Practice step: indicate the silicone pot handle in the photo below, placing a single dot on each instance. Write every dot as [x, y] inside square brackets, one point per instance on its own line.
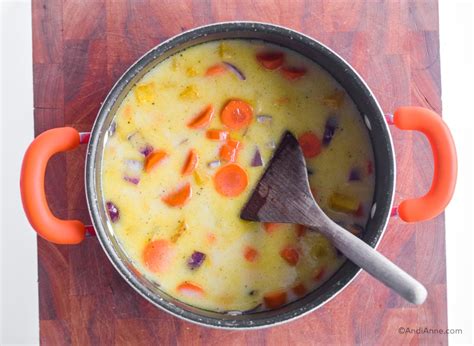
[33, 195]
[445, 163]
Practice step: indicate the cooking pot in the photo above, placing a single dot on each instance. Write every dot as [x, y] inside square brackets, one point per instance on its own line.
[407, 118]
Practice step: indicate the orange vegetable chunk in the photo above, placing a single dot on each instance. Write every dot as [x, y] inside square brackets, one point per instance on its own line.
[229, 150]
[271, 60]
[178, 197]
[190, 163]
[250, 254]
[310, 144]
[158, 255]
[293, 73]
[290, 255]
[275, 299]
[203, 118]
[237, 114]
[217, 135]
[154, 159]
[231, 180]
[190, 289]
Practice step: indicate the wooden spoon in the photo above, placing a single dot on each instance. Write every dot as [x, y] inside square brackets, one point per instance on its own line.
[283, 195]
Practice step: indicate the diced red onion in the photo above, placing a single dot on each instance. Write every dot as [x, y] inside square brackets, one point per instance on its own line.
[257, 160]
[113, 212]
[329, 129]
[235, 70]
[263, 118]
[214, 164]
[196, 259]
[132, 180]
[354, 174]
[133, 166]
[146, 150]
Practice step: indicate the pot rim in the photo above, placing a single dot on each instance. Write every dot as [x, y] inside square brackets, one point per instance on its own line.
[98, 131]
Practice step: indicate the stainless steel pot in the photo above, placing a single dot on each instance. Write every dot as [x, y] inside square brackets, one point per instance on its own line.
[56, 140]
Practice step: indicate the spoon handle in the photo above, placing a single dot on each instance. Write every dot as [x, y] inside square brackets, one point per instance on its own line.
[375, 263]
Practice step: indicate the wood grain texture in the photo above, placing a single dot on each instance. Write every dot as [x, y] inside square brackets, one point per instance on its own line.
[80, 47]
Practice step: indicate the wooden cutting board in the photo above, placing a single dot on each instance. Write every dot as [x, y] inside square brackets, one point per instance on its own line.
[81, 47]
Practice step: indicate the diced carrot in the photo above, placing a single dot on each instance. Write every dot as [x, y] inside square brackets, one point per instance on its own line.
[178, 197]
[300, 290]
[271, 227]
[236, 114]
[190, 163]
[293, 73]
[360, 211]
[250, 254]
[211, 238]
[231, 180]
[310, 144]
[275, 299]
[290, 255]
[158, 255]
[190, 289]
[271, 60]
[319, 273]
[217, 135]
[153, 159]
[300, 230]
[229, 150]
[215, 70]
[370, 167]
[203, 118]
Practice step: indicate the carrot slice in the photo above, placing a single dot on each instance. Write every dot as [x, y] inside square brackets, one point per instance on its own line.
[250, 254]
[300, 230]
[215, 70]
[290, 255]
[275, 299]
[231, 180]
[158, 255]
[293, 73]
[190, 289]
[153, 159]
[300, 290]
[271, 227]
[272, 60]
[319, 273]
[190, 163]
[178, 197]
[217, 135]
[236, 114]
[229, 150]
[202, 119]
[310, 144]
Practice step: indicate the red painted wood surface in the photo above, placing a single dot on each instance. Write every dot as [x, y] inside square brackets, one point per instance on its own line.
[81, 47]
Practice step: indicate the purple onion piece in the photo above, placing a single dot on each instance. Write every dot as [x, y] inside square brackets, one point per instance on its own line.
[234, 70]
[257, 159]
[354, 174]
[196, 259]
[146, 150]
[263, 118]
[214, 164]
[329, 130]
[113, 212]
[132, 180]
[112, 128]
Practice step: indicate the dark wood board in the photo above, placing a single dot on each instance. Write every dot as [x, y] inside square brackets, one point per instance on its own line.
[81, 47]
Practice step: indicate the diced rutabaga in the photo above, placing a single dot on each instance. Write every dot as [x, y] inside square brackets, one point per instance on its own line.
[343, 203]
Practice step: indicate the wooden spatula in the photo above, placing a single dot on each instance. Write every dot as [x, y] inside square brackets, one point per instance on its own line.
[283, 195]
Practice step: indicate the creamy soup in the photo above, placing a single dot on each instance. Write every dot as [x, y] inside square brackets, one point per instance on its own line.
[189, 143]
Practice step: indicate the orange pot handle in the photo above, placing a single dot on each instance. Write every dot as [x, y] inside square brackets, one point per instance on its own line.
[445, 163]
[33, 195]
